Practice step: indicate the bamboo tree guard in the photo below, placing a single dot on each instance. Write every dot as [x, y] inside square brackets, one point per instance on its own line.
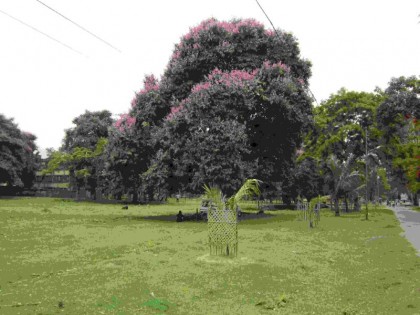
[223, 231]
[314, 213]
[310, 211]
[302, 207]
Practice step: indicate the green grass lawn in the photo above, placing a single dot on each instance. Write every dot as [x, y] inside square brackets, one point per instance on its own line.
[61, 257]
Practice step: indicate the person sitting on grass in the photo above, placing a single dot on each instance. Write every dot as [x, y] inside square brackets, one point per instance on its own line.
[179, 216]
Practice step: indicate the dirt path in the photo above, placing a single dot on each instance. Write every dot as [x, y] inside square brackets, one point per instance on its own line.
[410, 222]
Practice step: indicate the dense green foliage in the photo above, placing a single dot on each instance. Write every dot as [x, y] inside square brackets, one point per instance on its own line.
[408, 155]
[250, 189]
[88, 128]
[19, 158]
[398, 119]
[82, 151]
[341, 124]
[374, 136]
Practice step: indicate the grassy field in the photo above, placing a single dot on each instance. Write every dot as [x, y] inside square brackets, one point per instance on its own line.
[62, 257]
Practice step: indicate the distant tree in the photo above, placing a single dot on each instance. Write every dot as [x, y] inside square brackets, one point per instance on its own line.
[345, 126]
[83, 164]
[132, 150]
[123, 163]
[398, 120]
[341, 123]
[407, 158]
[81, 152]
[87, 130]
[18, 155]
[32, 159]
[341, 178]
[307, 179]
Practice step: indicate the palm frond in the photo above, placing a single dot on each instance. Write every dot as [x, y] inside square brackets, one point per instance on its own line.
[214, 194]
[250, 188]
[360, 188]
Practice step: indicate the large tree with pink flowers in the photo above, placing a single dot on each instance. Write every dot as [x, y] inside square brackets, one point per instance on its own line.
[231, 104]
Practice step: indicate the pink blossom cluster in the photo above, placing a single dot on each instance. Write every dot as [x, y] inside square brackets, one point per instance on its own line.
[236, 77]
[125, 121]
[301, 81]
[217, 76]
[175, 110]
[28, 149]
[177, 52]
[270, 32]
[201, 86]
[134, 101]
[230, 27]
[225, 44]
[176, 55]
[280, 65]
[150, 84]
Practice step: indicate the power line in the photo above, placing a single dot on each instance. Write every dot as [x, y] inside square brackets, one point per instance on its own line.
[41, 32]
[280, 39]
[79, 26]
[268, 18]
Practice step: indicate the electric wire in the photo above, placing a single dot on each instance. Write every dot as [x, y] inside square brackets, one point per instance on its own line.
[79, 26]
[268, 18]
[45, 34]
[309, 90]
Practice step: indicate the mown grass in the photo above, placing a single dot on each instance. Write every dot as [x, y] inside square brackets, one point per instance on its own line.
[415, 208]
[84, 258]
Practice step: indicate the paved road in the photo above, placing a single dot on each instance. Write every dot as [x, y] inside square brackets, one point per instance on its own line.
[410, 222]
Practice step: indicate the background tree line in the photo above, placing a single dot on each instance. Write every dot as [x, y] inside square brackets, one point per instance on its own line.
[232, 104]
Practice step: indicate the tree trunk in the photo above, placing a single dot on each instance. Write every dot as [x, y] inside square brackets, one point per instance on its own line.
[337, 207]
[346, 203]
[135, 197]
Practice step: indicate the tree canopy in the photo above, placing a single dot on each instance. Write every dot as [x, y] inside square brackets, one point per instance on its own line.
[18, 155]
[231, 104]
[398, 120]
[82, 150]
[341, 123]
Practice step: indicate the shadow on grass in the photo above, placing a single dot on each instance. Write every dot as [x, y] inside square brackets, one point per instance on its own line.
[167, 218]
[172, 218]
[9, 197]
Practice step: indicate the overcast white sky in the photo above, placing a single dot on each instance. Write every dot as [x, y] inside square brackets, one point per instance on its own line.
[43, 85]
